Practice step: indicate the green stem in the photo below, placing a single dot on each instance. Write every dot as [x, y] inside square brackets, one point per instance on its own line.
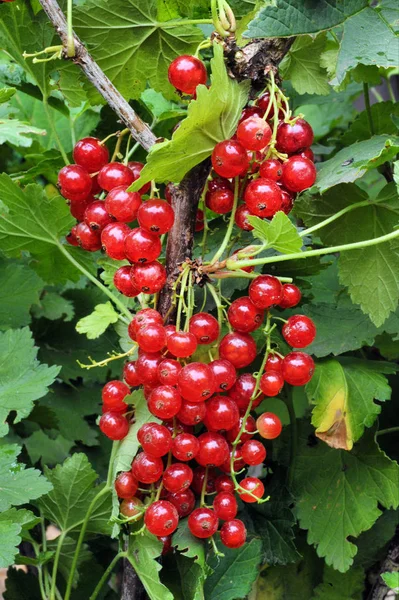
[229, 230]
[215, 18]
[234, 265]
[203, 490]
[337, 215]
[390, 89]
[218, 303]
[70, 40]
[182, 291]
[94, 280]
[55, 565]
[41, 586]
[368, 107]
[180, 22]
[106, 574]
[389, 430]
[294, 438]
[54, 130]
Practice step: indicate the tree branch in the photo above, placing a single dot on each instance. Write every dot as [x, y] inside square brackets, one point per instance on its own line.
[139, 130]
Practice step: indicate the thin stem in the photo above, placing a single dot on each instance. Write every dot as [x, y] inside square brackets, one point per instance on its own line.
[368, 107]
[203, 490]
[106, 574]
[180, 22]
[229, 230]
[234, 265]
[390, 89]
[337, 215]
[182, 291]
[55, 565]
[71, 41]
[215, 18]
[54, 130]
[294, 437]
[218, 303]
[389, 430]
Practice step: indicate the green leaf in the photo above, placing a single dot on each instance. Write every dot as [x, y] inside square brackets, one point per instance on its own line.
[372, 544]
[343, 393]
[142, 46]
[142, 552]
[66, 557]
[381, 114]
[338, 586]
[73, 490]
[100, 319]
[18, 485]
[6, 94]
[352, 162]
[160, 107]
[302, 66]
[338, 494]
[53, 306]
[23, 378]
[212, 117]
[391, 579]
[17, 133]
[192, 578]
[286, 18]
[11, 523]
[20, 288]
[188, 545]
[51, 450]
[279, 233]
[233, 575]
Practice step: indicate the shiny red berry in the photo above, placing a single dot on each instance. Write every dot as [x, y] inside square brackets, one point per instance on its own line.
[168, 371]
[132, 507]
[164, 402]
[136, 168]
[183, 501]
[205, 328]
[149, 277]
[177, 477]
[113, 240]
[161, 518]
[114, 425]
[181, 344]
[221, 413]
[88, 239]
[287, 201]
[253, 452]
[233, 534]
[156, 216]
[75, 180]
[252, 485]
[123, 282]
[114, 175]
[224, 373]
[146, 468]
[263, 197]
[229, 159]
[71, 237]
[155, 439]
[224, 483]
[225, 506]
[249, 430]
[130, 374]
[199, 221]
[298, 368]
[126, 485]
[241, 218]
[291, 296]
[203, 522]
[274, 362]
[141, 246]
[294, 137]
[151, 338]
[199, 477]
[243, 390]
[269, 426]
[299, 173]
[271, 383]
[213, 449]
[185, 446]
[90, 154]
[191, 413]
[147, 367]
[113, 394]
[220, 201]
[265, 291]
[123, 205]
[96, 215]
[299, 331]
[244, 316]
[271, 169]
[254, 133]
[186, 72]
[145, 316]
[196, 382]
[238, 348]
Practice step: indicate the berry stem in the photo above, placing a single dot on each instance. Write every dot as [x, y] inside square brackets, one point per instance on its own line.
[119, 137]
[70, 50]
[106, 361]
[204, 484]
[60, 542]
[229, 230]
[385, 431]
[106, 574]
[337, 215]
[182, 291]
[368, 107]
[218, 303]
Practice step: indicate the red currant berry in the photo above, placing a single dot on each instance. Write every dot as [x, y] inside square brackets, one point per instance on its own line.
[181, 344]
[299, 331]
[274, 362]
[151, 338]
[167, 543]
[199, 478]
[141, 246]
[224, 484]
[271, 383]
[252, 485]
[144, 317]
[114, 425]
[149, 278]
[161, 518]
[203, 523]
[265, 291]
[221, 413]
[96, 216]
[71, 237]
[75, 181]
[146, 468]
[243, 315]
[225, 506]
[291, 296]
[136, 168]
[114, 175]
[192, 413]
[196, 382]
[287, 201]
[186, 72]
[168, 371]
[77, 209]
[233, 534]
[213, 449]
[299, 173]
[177, 477]
[220, 201]
[263, 197]
[250, 111]
[169, 329]
[297, 368]
[123, 205]
[254, 133]
[271, 169]
[242, 392]
[241, 218]
[224, 373]
[307, 153]
[238, 348]
[156, 216]
[126, 485]
[131, 507]
[199, 221]
[147, 367]
[155, 439]
[130, 374]
[263, 104]
[229, 159]
[90, 154]
[205, 328]
[185, 446]
[123, 282]
[114, 392]
[235, 457]
[184, 502]
[253, 452]
[269, 426]
[294, 137]
[218, 183]
[175, 427]
[88, 239]
[164, 402]
[113, 240]
[249, 430]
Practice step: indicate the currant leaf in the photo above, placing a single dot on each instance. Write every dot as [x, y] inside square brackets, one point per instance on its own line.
[302, 66]
[12, 522]
[51, 451]
[18, 133]
[142, 552]
[53, 306]
[279, 233]
[338, 586]
[100, 319]
[20, 289]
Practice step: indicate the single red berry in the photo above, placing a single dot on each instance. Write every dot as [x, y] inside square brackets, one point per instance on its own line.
[299, 331]
[205, 328]
[307, 153]
[136, 168]
[224, 483]
[265, 291]
[114, 425]
[169, 329]
[176, 427]
[130, 374]
[113, 394]
[224, 373]
[75, 180]
[167, 544]
[90, 154]
[114, 175]
[147, 367]
[271, 383]
[291, 296]
[253, 452]
[146, 468]
[88, 239]
[149, 278]
[199, 478]
[229, 159]
[244, 316]
[274, 362]
[269, 426]
[238, 348]
[294, 137]
[155, 439]
[161, 518]
[298, 368]
[191, 413]
[113, 240]
[181, 344]
[126, 485]
[241, 218]
[221, 414]
[164, 402]
[225, 506]
[185, 446]
[168, 371]
[263, 103]
[141, 246]
[243, 390]
[78, 203]
[263, 197]
[144, 317]
[218, 183]
[96, 215]
[123, 205]
[123, 282]
[186, 72]
[203, 522]
[250, 111]
[131, 507]
[299, 173]
[151, 338]
[183, 501]
[213, 449]
[252, 485]
[249, 430]
[71, 237]
[177, 477]
[220, 201]
[287, 201]
[254, 133]
[196, 382]
[233, 534]
[156, 216]
[199, 221]
[271, 169]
